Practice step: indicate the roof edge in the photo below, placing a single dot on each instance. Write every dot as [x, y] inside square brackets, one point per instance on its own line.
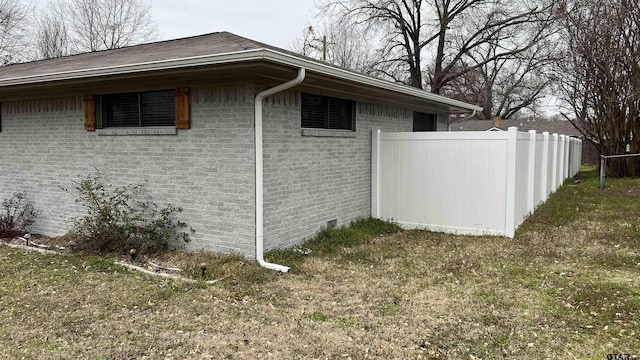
[231, 57]
[264, 54]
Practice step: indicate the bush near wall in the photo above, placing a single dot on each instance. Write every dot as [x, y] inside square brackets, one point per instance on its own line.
[120, 218]
[16, 215]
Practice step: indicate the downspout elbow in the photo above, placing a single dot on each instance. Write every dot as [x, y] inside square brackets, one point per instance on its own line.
[463, 119]
[259, 169]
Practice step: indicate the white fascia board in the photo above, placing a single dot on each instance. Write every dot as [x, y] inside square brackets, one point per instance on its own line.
[217, 59]
[324, 69]
[238, 57]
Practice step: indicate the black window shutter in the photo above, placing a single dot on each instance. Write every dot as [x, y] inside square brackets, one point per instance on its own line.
[313, 109]
[424, 121]
[122, 109]
[158, 108]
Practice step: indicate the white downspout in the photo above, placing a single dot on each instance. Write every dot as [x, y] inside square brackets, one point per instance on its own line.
[463, 119]
[259, 169]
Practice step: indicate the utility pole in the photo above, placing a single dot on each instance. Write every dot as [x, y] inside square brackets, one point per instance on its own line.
[324, 48]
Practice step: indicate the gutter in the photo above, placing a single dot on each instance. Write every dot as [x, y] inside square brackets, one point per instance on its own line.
[259, 169]
[321, 68]
[246, 56]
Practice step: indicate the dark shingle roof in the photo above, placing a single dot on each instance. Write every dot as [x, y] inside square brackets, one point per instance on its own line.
[208, 44]
[561, 127]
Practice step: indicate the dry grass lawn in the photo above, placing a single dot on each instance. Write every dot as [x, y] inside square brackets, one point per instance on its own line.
[568, 287]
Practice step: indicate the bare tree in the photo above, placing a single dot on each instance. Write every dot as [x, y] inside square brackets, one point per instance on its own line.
[110, 24]
[505, 86]
[13, 30]
[486, 34]
[74, 26]
[449, 29]
[399, 20]
[600, 75]
[52, 33]
[520, 85]
[336, 43]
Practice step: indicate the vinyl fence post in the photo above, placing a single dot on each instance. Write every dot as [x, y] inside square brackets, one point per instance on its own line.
[580, 156]
[561, 149]
[569, 154]
[510, 206]
[375, 173]
[531, 172]
[567, 140]
[569, 157]
[576, 157]
[603, 166]
[544, 180]
[554, 166]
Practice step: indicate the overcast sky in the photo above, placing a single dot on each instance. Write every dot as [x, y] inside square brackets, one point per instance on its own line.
[275, 22]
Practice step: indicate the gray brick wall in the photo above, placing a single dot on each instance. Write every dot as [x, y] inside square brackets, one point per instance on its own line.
[207, 170]
[311, 180]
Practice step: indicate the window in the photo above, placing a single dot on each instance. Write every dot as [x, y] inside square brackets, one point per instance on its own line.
[323, 112]
[424, 121]
[153, 108]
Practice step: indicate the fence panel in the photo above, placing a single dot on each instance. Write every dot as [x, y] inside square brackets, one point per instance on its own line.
[466, 182]
[443, 181]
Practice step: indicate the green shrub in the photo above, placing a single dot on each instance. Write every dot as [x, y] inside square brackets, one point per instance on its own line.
[123, 218]
[16, 215]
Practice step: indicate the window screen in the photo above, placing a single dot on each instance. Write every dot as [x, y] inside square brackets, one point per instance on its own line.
[323, 112]
[155, 108]
[314, 111]
[340, 114]
[424, 121]
[158, 108]
[122, 110]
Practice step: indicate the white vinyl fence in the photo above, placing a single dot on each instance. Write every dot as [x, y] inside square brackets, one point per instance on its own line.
[482, 182]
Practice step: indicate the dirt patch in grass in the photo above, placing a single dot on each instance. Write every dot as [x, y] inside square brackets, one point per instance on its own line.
[633, 191]
[568, 286]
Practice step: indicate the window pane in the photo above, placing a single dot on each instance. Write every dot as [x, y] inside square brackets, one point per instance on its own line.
[122, 109]
[313, 111]
[340, 114]
[158, 108]
[424, 122]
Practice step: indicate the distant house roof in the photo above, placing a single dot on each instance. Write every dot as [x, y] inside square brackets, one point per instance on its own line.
[198, 52]
[539, 125]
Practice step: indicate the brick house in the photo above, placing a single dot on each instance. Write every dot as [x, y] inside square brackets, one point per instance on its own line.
[179, 117]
